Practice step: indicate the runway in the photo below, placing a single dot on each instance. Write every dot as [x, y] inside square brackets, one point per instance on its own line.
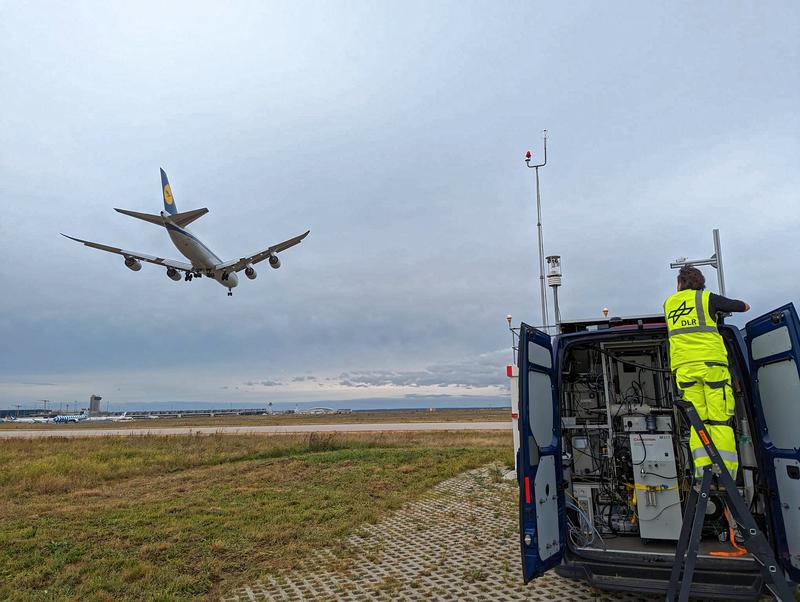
[255, 430]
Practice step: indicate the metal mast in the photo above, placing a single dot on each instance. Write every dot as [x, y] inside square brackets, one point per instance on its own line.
[542, 289]
[714, 261]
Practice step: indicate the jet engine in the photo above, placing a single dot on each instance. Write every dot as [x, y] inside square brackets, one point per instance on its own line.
[174, 274]
[250, 272]
[133, 264]
[274, 262]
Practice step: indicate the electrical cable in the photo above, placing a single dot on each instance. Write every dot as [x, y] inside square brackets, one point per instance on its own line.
[660, 476]
[590, 523]
[630, 363]
[644, 449]
[660, 512]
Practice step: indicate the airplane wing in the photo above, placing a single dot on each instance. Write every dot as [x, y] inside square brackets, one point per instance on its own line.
[178, 265]
[237, 265]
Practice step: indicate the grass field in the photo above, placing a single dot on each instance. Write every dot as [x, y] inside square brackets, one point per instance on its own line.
[443, 415]
[164, 518]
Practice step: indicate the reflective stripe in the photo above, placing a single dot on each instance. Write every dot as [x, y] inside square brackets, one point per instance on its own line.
[701, 341]
[686, 385]
[712, 364]
[701, 312]
[700, 454]
[720, 384]
[689, 329]
[718, 422]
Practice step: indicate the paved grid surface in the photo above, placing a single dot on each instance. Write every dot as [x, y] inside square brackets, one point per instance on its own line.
[460, 542]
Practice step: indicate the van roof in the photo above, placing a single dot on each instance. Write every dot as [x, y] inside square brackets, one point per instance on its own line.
[570, 326]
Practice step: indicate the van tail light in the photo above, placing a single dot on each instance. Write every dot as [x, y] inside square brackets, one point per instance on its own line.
[527, 490]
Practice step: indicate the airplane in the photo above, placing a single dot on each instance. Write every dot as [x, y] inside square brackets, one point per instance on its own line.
[202, 260]
[66, 418]
[121, 418]
[34, 420]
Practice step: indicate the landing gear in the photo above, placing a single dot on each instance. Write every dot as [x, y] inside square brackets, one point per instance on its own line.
[224, 276]
[188, 277]
[230, 293]
[198, 274]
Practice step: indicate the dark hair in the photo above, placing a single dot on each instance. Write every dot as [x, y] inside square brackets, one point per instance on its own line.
[691, 278]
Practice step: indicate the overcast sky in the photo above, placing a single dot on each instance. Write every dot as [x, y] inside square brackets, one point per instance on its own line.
[396, 132]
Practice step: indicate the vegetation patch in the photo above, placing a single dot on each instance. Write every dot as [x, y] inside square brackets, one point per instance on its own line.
[191, 517]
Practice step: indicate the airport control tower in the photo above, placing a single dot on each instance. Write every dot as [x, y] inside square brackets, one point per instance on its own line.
[94, 404]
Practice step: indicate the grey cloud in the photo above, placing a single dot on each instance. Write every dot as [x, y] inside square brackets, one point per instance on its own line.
[486, 370]
[271, 383]
[421, 211]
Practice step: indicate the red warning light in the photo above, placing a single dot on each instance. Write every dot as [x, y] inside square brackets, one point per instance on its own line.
[509, 370]
[528, 155]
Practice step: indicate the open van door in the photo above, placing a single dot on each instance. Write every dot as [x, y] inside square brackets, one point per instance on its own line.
[541, 500]
[773, 347]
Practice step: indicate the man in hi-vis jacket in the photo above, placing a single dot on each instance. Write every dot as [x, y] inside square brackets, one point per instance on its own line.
[699, 361]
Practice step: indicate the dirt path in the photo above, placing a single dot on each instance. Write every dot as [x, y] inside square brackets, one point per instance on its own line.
[258, 430]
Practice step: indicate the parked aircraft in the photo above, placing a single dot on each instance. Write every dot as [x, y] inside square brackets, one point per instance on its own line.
[203, 262]
[34, 420]
[121, 418]
[65, 418]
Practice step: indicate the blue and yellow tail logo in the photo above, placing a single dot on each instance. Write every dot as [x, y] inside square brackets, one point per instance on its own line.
[169, 202]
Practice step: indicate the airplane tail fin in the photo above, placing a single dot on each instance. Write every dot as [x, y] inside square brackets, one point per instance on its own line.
[169, 202]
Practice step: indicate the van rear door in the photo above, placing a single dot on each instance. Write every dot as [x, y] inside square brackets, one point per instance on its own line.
[773, 347]
[541, 499]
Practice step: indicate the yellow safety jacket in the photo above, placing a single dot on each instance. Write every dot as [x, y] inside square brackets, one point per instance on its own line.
[693, 334]
[699, 361]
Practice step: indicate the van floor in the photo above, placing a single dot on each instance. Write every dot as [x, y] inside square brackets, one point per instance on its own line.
[634, 545]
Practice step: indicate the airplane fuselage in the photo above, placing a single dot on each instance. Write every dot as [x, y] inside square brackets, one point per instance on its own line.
[201, 257]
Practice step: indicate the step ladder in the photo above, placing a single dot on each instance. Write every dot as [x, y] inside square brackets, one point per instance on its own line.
[694, 514]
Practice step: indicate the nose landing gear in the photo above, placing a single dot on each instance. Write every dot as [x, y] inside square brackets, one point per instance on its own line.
[230, 293]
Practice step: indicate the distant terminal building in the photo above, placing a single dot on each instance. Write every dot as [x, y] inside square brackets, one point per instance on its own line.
[24, 413]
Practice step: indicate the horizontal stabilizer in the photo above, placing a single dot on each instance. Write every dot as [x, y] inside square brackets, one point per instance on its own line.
[180, 219]
[187, 217]
[148, 217]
